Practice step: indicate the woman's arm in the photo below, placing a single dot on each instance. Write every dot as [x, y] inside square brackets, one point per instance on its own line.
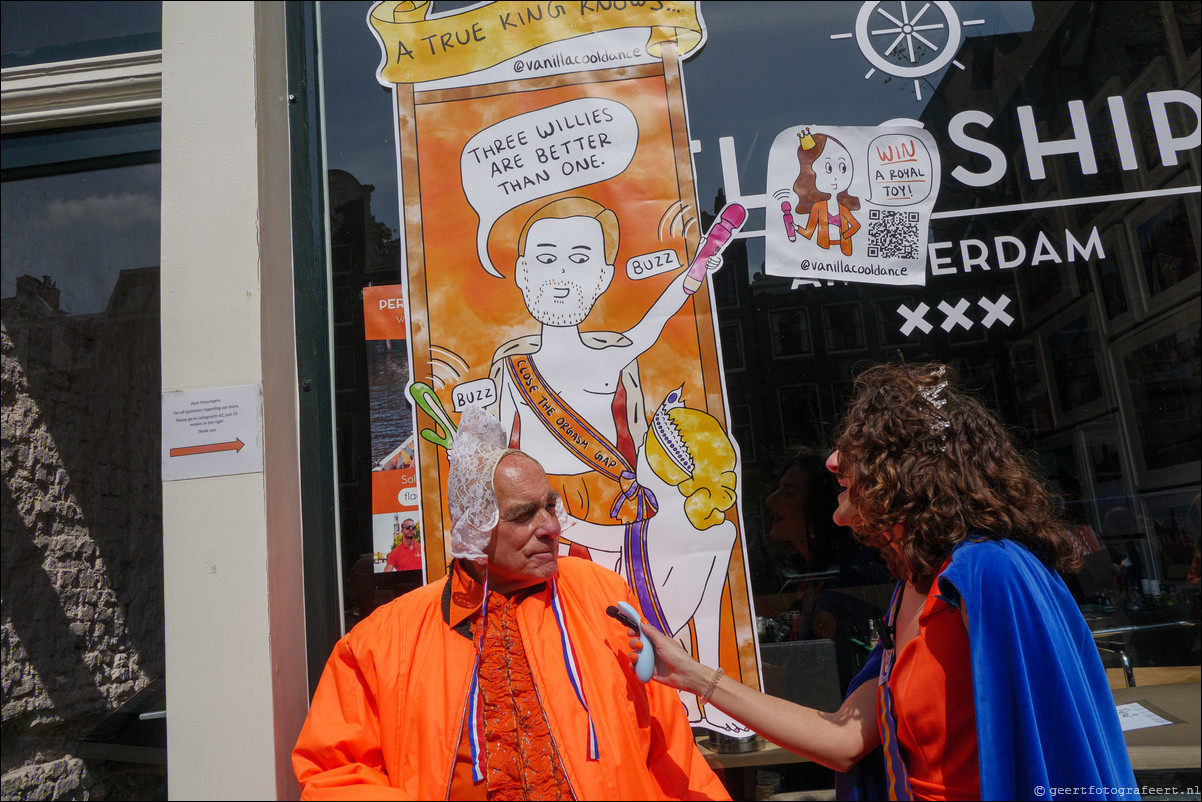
[836, 740]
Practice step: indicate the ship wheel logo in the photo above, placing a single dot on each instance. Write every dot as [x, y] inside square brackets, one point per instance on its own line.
[909, 40]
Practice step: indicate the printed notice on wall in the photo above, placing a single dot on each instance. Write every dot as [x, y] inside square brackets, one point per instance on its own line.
[851, 203]
[216, 431]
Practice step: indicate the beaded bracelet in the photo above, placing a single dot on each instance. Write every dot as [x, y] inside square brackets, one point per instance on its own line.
[709, 690]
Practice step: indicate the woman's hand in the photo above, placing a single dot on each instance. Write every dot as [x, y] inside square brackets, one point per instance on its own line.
[674, 666]
[836, 740]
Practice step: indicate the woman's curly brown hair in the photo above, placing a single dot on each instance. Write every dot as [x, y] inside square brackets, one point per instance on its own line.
[944, 472]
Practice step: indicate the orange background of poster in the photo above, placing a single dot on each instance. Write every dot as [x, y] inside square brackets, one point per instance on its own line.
[472, 313]
[468, 314]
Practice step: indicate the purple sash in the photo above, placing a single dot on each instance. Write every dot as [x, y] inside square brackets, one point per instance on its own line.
[638, 572]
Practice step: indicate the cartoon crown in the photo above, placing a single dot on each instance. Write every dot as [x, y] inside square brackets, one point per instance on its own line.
[807, 141]
[667, 433]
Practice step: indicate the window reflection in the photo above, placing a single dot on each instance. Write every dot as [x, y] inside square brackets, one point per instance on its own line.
[81, 231]
[40, 32]
[1093, 352]
[1077, 320]
[83, 531]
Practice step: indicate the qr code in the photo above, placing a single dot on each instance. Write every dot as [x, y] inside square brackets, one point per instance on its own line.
[892, 234]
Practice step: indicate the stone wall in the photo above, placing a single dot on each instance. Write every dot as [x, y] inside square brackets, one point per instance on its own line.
[82, 566]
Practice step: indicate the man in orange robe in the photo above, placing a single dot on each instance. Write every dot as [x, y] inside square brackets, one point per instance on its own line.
[506, 680]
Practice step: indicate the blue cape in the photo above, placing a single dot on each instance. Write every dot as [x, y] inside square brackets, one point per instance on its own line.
[1045, 712]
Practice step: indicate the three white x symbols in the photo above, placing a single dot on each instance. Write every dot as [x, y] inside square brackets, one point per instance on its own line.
[995, 312]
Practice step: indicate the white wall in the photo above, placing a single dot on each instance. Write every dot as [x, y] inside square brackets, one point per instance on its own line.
[232, 559]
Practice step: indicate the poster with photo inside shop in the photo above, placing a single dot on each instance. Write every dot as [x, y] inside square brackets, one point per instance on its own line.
[395, 498]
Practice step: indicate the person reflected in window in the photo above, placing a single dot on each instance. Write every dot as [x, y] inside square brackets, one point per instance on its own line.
[987, 680]
[817, 559]
[797, 508]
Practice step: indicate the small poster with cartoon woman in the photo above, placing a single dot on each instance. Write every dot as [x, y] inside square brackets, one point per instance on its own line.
[851, 203]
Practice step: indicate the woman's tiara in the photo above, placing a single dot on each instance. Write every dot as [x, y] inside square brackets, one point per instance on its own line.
[934, 397]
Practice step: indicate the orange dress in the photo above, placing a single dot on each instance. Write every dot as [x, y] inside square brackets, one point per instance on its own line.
[931, 685]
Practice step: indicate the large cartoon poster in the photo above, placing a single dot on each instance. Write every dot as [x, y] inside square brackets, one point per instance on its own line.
[553, 275]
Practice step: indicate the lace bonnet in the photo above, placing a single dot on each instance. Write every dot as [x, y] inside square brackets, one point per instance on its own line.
[478, 447]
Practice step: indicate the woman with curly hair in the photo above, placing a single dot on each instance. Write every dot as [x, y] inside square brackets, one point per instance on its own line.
[988, 682]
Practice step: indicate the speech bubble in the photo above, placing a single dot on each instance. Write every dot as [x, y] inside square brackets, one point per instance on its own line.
[652, 264]
[408, 499]
[481, 392]
[540, 153]
[899, 170]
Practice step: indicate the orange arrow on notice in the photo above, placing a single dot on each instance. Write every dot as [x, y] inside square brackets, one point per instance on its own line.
[233, 445]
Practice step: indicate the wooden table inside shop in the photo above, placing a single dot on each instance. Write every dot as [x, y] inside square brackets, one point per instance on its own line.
[739, 768]
[1171, 747]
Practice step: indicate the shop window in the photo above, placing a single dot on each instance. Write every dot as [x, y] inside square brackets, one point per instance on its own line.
[732, 346]
[843, 325]
[744, 431]
[82, 519]
[801, 422]
[1060, 275]
[790, 331]
[38, 33]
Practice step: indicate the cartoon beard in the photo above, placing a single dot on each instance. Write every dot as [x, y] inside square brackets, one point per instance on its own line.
[550, 310]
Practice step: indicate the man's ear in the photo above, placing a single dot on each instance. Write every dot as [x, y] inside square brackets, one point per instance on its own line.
[607, 277]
